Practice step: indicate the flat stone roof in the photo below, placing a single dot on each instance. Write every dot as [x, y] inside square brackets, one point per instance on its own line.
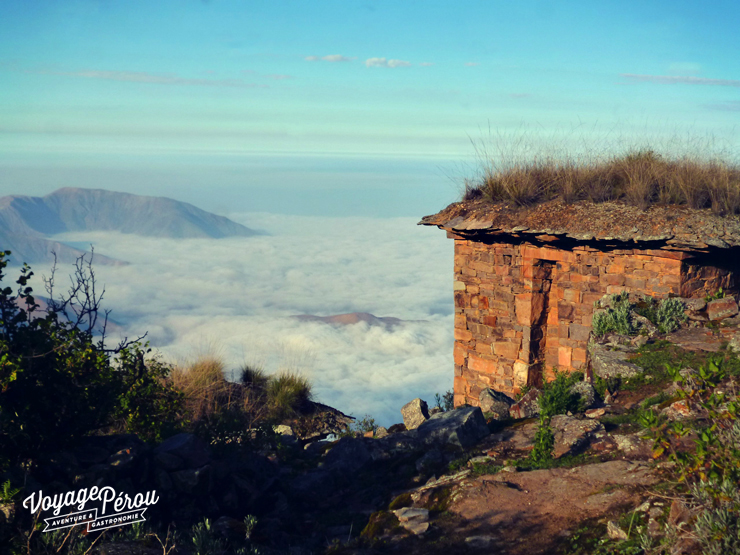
[674, 226]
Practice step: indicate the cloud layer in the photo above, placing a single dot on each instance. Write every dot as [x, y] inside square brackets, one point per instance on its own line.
[383, 62]
[333, 58]
[237, 296]
[681, 79]
[153, 78]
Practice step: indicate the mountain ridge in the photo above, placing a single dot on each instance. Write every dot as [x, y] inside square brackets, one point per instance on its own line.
[26, 222]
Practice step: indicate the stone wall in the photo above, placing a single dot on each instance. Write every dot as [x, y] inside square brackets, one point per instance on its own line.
[522, 310]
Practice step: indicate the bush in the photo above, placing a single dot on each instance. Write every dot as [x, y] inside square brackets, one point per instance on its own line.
[556, 396]
[445, 402]
[58, 382]
[717, 526]
[670, 315]
[617, 318]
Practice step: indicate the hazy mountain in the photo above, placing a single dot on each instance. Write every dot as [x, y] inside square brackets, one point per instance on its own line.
[351, 318]
[26, 222]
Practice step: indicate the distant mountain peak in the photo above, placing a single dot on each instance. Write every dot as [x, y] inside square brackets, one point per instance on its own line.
[27, 222]
[351, 318]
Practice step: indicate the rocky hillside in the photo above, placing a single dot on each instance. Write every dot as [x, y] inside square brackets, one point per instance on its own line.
[641, 456]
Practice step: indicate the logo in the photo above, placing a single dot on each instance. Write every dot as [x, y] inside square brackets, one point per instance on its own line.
[108, 508]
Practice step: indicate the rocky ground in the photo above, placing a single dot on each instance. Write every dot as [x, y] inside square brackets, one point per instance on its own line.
[460, 481]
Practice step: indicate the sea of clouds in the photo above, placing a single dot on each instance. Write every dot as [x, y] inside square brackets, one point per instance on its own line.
[235, 297]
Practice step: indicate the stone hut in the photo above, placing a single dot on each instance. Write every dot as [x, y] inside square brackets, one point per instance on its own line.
[527, 278]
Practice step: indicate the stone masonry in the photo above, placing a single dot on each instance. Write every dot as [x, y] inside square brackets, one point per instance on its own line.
[521, 310]
[524, 297]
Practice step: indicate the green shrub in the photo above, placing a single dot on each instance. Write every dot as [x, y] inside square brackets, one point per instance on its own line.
[446, 401]
[670, 315]
[717, 526]
[544, 442]
[556, 396]
[617, 318]
[58, 381]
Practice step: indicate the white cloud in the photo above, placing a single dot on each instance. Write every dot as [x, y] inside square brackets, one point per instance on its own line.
[471, 64]
[684, 68]
[383, 62]
[330, 58]
[238, 295]
[681, 79]
[426, 64]
[152, 78]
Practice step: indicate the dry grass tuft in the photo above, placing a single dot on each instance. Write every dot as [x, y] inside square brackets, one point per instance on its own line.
[256, 399]
[287, 394]
[208, 392]
[640, 178]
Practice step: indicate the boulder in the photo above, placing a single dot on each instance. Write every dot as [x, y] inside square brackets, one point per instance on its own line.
[192, 481]
[644, 325]
[693, 305]
[586, 393]
[573, 434]
[381, 432]
[615, 532]
[463, 427]
[607, 363]
[414, 413]
[595, 413]
[496, 403]
[283, 430]
[429, 461]
[191, 450]
[719, 309]
[168, 461]
[414, 520]
[91, 454]
[348, 455]
[528, 406]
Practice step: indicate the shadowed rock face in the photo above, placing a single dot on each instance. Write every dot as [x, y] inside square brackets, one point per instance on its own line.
[25, 222]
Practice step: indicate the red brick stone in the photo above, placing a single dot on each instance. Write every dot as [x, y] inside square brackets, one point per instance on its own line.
[481, 364]
[459, 353]
[565, 356]
[506, 349]
[463, 335]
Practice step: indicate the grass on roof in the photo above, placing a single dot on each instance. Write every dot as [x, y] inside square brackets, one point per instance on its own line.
[640, 178]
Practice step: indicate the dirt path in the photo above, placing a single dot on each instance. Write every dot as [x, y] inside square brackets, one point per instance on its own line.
[528, 512]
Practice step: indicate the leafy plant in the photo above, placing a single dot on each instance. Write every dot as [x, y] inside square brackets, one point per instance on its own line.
[8, 492]
[669, 315]
[616, 318]
[544, 442]
[59, 380]
[556, 396]
[445, 402]
[205, 539]
[363, 425]
[720, 294]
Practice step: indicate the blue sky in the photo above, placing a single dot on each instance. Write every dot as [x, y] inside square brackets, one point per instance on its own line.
[103, 85]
